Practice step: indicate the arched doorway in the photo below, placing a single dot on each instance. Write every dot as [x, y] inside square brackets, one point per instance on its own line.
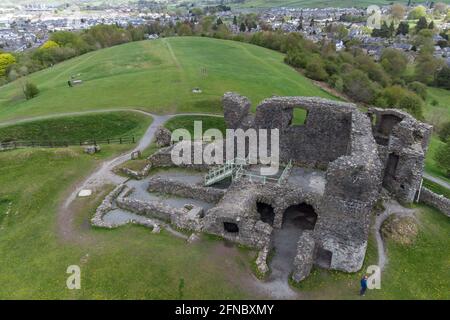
[296, 218]
[302, 216]
[266, 212]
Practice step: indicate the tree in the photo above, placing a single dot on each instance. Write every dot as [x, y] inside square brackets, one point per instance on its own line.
[6, 59]
[398, 11]
[384, 32]
[184, 30]
[242, 27]
[197, 12]
[30, 90]
[49, 44]
[443, 78]
[391, 29]
[418, 88]
[421, 24]
[315, 70]
[358, 86]
[417, 12]
[413, 104]
[442, 157]
[440, 8]
[374, 70]
[235, 21]
[394, 62]
[403, 28]
[427, 68]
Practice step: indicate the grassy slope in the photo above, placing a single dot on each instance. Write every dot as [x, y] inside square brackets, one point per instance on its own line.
[159, 76]
[74, 128]
[187, 122]
[440, 113]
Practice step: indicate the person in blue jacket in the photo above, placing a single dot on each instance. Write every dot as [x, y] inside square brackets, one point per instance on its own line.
[362, 292]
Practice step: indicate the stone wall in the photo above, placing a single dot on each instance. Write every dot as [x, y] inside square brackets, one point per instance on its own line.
[106, 206]
[435, 200]
[137, 175]
[402, 145]
[184, 218]
[322, 138]
[174, 187]
[304, 258]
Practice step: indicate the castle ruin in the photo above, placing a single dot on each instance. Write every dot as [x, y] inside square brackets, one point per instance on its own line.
[335, 165]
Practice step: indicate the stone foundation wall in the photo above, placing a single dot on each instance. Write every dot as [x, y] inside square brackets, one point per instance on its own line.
[435, 200]
[106, 206]
[137, 175]
[186, 190]
[184, 218]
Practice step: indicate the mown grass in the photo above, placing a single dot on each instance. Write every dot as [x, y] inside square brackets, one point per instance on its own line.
[78, 128]
[187, 122]
[129, 262]
[159, 76]
[422, 270]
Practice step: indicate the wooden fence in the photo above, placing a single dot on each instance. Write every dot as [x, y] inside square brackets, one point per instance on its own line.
[11, 145]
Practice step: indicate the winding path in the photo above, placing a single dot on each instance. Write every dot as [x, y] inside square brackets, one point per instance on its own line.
[103, 174]
[392, 207]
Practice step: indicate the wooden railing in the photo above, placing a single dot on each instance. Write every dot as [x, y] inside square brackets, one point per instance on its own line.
[11, 145]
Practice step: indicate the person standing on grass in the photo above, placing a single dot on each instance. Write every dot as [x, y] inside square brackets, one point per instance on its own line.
[362, 292]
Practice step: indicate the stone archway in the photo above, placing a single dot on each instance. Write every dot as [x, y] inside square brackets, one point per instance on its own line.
[290, 223]
[301, 215]
[266, 212]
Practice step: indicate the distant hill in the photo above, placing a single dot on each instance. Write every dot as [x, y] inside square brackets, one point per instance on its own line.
[158, 76]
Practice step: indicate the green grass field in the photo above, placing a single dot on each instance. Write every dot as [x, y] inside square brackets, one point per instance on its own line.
[159, 76]
[78, 128]
[129, 262]
[187, 122]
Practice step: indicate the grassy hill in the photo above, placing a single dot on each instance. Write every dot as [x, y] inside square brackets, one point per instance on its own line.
[158, 76]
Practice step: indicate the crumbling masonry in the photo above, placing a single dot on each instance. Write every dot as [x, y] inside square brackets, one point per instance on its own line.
[347, 155]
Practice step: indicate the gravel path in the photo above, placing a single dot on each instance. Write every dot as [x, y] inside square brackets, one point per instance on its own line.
[392, 207]
[103, 174]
